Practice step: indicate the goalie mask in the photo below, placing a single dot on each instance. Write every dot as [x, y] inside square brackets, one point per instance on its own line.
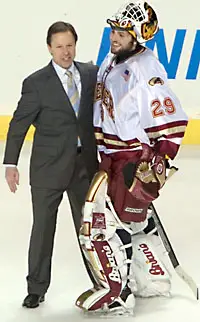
[138, 18]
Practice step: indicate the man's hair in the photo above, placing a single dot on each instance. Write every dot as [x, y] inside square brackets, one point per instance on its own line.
[60, 26]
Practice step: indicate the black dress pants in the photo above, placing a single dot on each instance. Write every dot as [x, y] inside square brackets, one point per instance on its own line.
[45, 208]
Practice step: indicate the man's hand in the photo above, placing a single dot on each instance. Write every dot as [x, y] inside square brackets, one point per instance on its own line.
[12, 178]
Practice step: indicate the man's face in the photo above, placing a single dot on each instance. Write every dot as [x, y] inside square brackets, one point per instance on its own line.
[120, 41]
[63, 48]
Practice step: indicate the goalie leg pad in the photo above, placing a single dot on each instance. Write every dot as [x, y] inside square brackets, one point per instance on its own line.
[104, 250]
[109, 270]
[149, 272]
[108, 263]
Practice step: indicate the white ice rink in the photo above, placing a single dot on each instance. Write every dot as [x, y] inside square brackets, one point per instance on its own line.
[178, 206]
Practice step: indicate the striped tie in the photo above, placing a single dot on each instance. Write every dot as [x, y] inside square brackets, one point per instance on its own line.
[73, 95]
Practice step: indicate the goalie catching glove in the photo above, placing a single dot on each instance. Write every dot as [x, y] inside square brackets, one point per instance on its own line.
[135, 179]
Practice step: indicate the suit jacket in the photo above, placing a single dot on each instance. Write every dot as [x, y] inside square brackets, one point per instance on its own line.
[44, 104]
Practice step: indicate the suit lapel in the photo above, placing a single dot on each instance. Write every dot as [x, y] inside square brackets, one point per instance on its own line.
[56, 89]
[84, 75]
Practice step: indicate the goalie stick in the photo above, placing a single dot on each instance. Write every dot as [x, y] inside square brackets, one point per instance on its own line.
[179, 270]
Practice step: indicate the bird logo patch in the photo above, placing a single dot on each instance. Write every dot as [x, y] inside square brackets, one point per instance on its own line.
[156, 80]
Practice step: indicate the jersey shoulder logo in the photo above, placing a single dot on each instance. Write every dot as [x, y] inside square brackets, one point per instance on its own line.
[156, 80]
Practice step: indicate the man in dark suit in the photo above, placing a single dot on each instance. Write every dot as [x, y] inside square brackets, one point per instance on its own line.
[58, 101]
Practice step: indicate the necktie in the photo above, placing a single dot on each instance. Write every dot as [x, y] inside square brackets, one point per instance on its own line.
[73, 95]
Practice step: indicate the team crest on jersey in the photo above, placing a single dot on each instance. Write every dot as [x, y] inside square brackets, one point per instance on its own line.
[156, 80]
[107, 102]
[104, 95]
[98, 91]
[126, 75]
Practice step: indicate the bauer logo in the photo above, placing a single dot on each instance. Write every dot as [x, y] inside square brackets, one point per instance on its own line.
[169, 58]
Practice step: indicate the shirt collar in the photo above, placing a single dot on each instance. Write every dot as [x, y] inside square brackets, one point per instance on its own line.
[61, 71]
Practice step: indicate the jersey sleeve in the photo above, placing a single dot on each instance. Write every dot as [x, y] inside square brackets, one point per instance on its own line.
[161, 114]
[97, 118]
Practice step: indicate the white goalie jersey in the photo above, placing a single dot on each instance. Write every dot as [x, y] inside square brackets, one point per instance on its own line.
[134, 105]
